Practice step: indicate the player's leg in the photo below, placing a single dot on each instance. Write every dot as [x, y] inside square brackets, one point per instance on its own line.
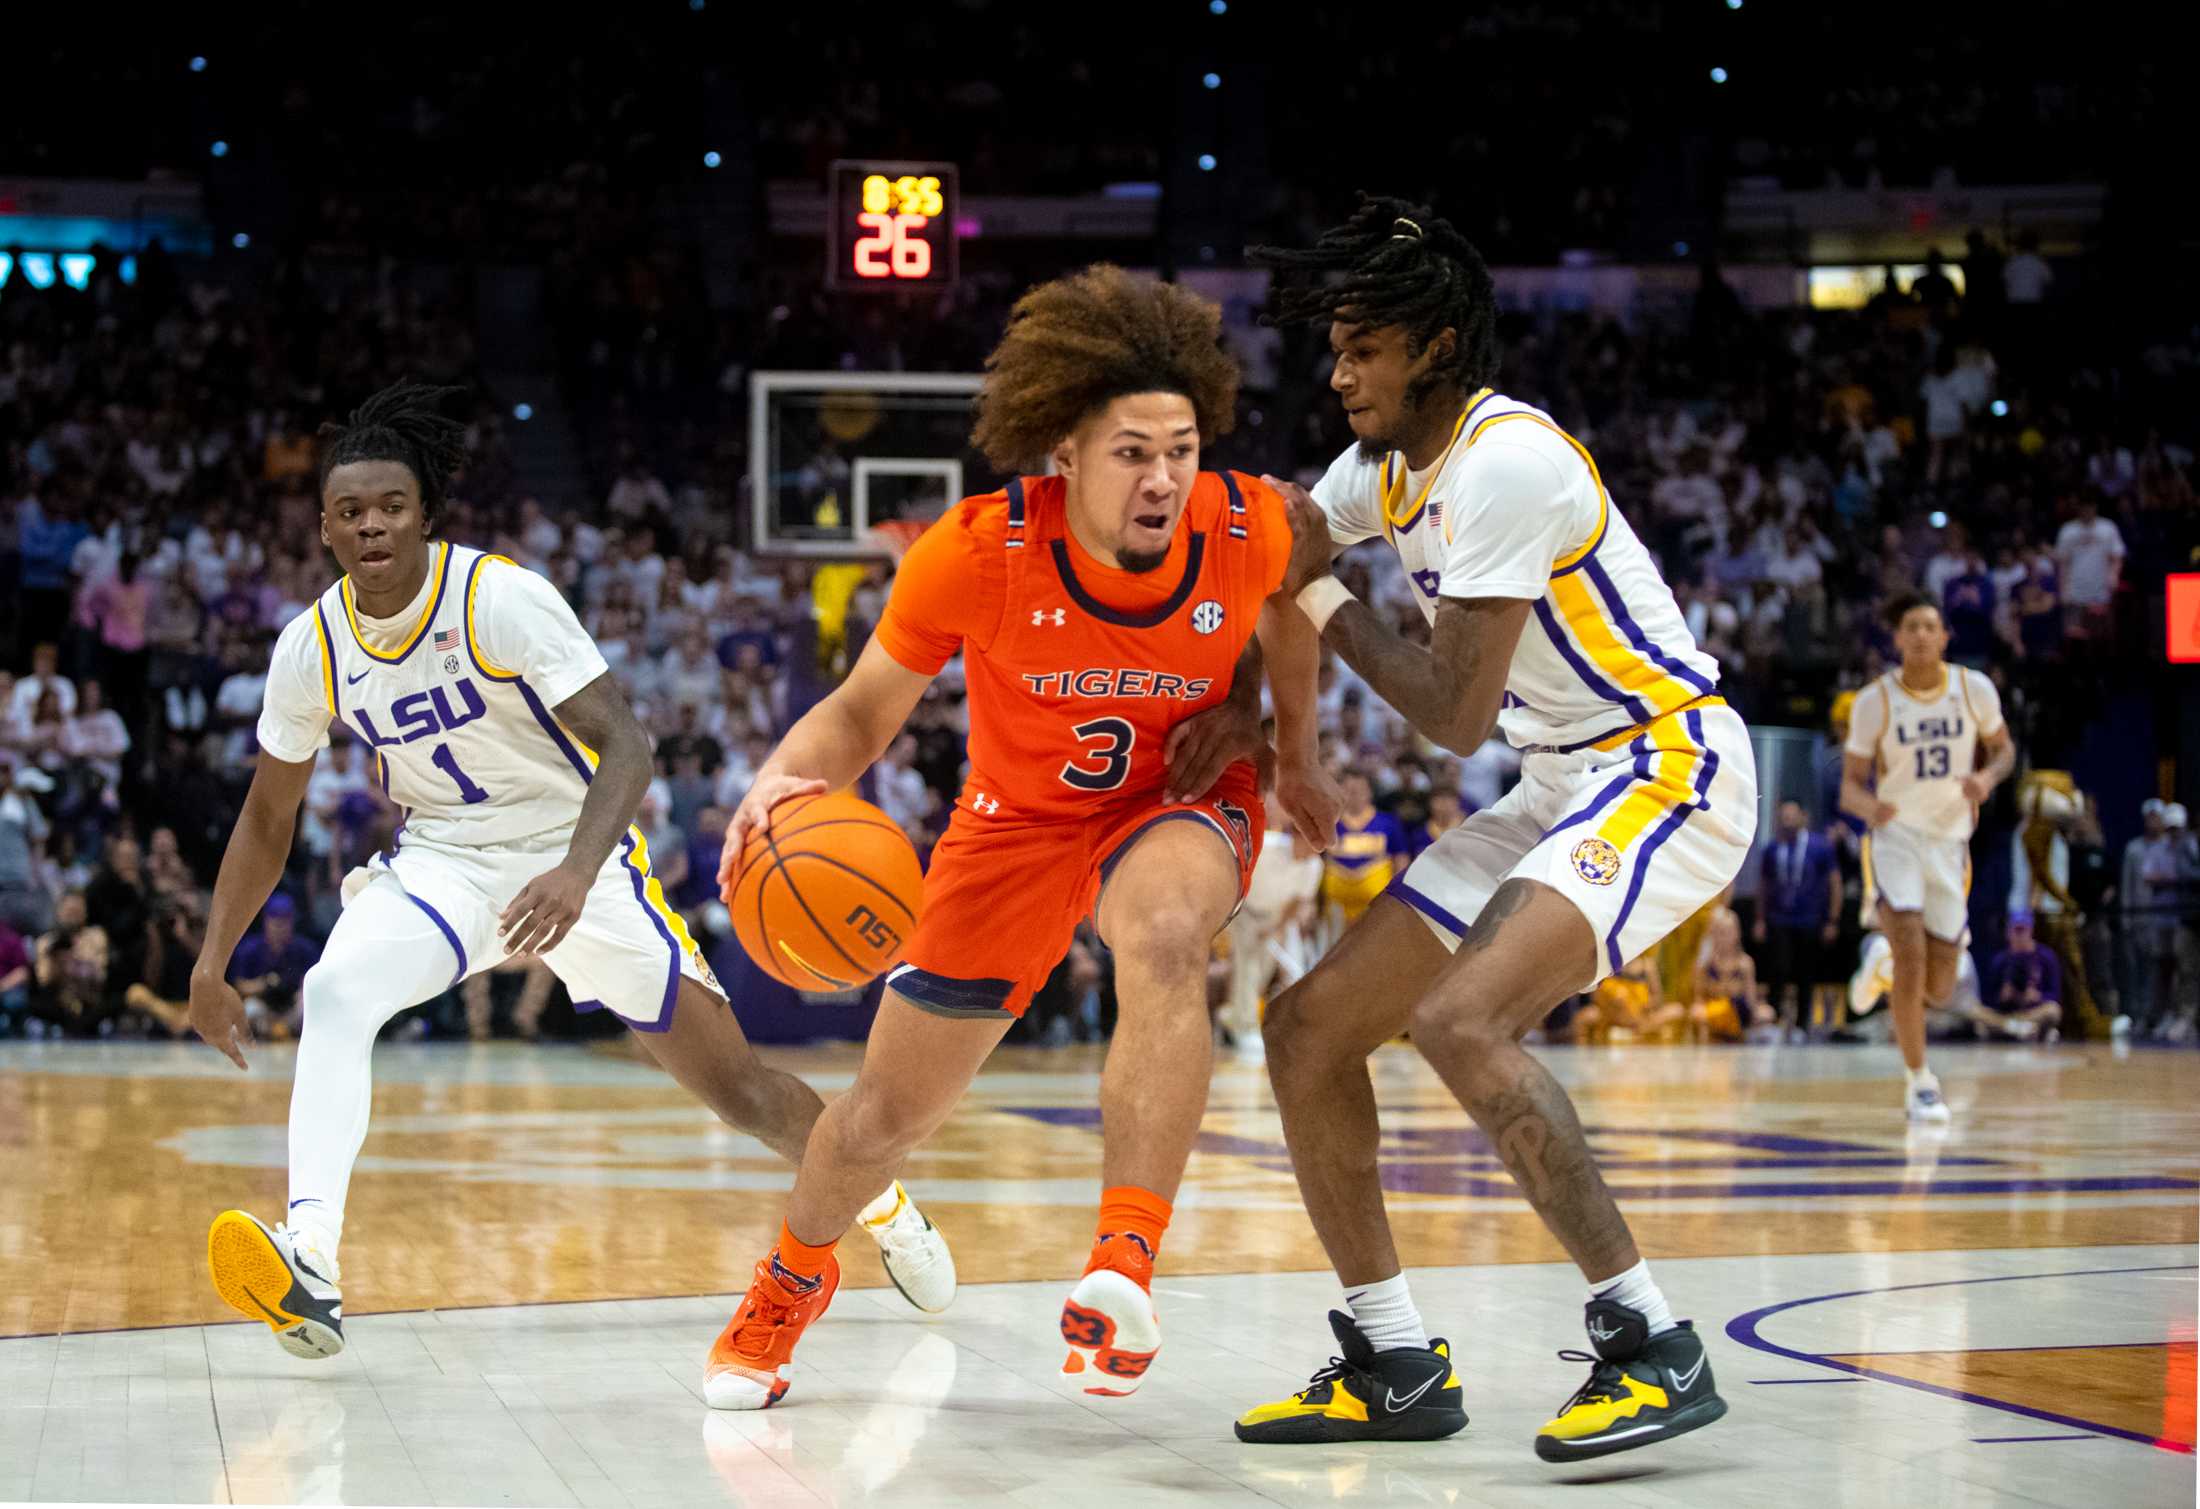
[916, 1066]
[704, 1048]
[387, 952]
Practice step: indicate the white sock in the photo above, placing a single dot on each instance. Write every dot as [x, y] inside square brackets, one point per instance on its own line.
[1915, 1077]
[1638, 1292]
[317, 1226]
[884, 1208]
[1386, 1316]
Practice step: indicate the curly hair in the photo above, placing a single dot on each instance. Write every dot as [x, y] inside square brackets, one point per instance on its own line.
[1400, 265]
[401, 424]
[1077, 344]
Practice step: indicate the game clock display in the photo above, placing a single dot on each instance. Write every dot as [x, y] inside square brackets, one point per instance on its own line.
[891, 225]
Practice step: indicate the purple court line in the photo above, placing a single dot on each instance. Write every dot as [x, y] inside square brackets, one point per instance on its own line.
[1806, 1380]
[2010, 1440]
[1743, 1328]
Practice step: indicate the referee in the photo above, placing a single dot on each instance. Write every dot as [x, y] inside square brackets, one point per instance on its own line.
[1798, 911]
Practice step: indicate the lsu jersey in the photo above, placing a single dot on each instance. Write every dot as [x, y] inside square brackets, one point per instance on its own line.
[1077, 670]
[1922, 745]
[1515, 508]
[454, 700]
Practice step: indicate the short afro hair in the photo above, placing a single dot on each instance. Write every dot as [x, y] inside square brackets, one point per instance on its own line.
[1077, 344]
[1903, 604]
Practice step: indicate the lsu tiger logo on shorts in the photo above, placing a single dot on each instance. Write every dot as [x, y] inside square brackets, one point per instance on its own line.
[1596, 861]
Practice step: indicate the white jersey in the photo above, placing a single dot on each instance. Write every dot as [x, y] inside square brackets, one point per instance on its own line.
[457, 710]
[1515, 508]
[1922, 745]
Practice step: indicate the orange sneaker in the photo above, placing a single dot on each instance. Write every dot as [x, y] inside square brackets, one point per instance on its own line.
[746, 1360]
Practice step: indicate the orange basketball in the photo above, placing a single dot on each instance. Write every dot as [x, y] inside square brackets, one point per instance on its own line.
[827, 893]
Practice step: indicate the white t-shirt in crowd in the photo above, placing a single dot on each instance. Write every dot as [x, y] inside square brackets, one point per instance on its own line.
[2088, 555]
[2025, 278]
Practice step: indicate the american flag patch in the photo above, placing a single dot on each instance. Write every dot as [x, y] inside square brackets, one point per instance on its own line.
[447, 639]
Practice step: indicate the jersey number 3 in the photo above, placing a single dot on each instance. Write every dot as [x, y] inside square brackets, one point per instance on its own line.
[1108, 766]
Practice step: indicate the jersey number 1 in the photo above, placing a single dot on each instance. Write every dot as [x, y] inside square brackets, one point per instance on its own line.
[1113, 758]
[447, 762]
[1933, 768]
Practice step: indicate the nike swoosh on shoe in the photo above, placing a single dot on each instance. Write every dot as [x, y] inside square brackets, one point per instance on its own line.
[1683, 1382]
[1397, 1406]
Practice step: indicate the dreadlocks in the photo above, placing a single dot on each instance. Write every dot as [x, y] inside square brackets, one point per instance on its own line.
[1401, 266]
[401, 424]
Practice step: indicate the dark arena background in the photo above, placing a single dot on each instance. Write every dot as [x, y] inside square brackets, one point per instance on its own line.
[1848, 304]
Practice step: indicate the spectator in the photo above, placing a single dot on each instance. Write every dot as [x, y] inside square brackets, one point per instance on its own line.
[121, 606]
[2027, 277]
[71, 969]
[96, 737]
[2089, 558]
[117, 896]
[45, 677]
[2149, 894]
[1444, 814]
[25, 903]
[637, 493]
[1271, 935]
[1370, 849]
[15, 982]
[1799, 894]
[2023, 991]
[1934, 288]
[269, 968]
[1967, 607]
[902, 794]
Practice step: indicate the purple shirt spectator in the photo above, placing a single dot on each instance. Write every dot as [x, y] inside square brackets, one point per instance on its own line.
[2016, 971]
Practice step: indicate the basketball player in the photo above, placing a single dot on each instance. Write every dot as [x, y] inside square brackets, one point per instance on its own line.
[1915, 736]
[1096, 611]
[519, 767]
[1636, 805]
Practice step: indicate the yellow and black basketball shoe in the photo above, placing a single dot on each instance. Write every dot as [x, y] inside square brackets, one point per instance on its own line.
[1642, 1389]
[1404, 1394]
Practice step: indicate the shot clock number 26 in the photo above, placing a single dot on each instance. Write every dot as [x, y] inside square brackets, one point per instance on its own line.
[892, 225]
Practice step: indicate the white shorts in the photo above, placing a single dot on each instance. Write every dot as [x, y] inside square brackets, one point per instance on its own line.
[1908, 871]
[626, 954]
[1639, 834]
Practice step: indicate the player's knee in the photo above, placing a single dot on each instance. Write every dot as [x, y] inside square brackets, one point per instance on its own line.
[1454, 1031]
[886, 1123]
[1165, 947]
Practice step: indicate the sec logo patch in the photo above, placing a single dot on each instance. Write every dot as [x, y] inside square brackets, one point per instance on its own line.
[1596, 861]
[1207, 617]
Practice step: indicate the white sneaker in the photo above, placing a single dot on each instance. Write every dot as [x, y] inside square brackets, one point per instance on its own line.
[1112, 1331]
[915, 1255]
[1925, 1102]
[265, 1274]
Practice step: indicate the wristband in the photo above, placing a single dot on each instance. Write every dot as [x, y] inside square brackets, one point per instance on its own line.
[1320, 598]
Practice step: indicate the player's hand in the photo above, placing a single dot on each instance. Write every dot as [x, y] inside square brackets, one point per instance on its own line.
[217, 1015]
[1882, 813]
[1311, 547]
[1204, 745]
[544, 911]
[753, 815]
[1977, 788]
[1311, 800]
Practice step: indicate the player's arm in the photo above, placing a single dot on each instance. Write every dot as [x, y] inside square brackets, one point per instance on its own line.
[830, 745]
[1292, 654]
[2001, 759]
[1452, 691]
[546, 908]
[251, 865]
[1857, 797]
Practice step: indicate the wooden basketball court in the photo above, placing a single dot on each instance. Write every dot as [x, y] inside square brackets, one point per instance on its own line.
[541, 1243]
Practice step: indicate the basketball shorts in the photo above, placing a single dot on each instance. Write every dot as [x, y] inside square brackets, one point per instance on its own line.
[1638, 831]
[1002, 901]
[1908, 871]
[626, 954]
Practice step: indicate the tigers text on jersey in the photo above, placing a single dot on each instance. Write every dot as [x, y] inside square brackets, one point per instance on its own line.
[457, 710]
[1077, 670]
[1922, 745]
[1515, 508]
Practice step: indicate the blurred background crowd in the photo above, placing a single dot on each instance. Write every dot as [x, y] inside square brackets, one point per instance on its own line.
[2008, 431]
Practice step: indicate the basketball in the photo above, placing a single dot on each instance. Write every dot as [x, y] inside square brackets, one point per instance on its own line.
[827, 893]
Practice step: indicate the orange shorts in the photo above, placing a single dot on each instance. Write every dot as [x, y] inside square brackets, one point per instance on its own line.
[1001, 902]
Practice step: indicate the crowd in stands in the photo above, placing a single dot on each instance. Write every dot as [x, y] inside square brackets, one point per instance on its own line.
[1793, 470]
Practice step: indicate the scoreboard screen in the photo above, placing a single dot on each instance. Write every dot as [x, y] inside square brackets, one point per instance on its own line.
[2183, 594]
[890, 225]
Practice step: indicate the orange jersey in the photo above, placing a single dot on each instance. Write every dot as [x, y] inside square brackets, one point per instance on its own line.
[1077, 670]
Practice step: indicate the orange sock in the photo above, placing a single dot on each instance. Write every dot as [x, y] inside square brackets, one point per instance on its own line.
[796, 1263]
[1128, 1238]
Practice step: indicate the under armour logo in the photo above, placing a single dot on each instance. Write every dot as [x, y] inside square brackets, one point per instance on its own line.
[1040, 616]
[980, 802]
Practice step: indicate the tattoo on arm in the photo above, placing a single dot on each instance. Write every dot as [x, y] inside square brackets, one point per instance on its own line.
[1451, 691]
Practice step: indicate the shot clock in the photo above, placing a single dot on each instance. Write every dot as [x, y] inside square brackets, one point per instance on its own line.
[890, 225]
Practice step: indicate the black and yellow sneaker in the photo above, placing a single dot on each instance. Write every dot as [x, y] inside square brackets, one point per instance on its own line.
[1642, 1389]
[1405, 1394]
